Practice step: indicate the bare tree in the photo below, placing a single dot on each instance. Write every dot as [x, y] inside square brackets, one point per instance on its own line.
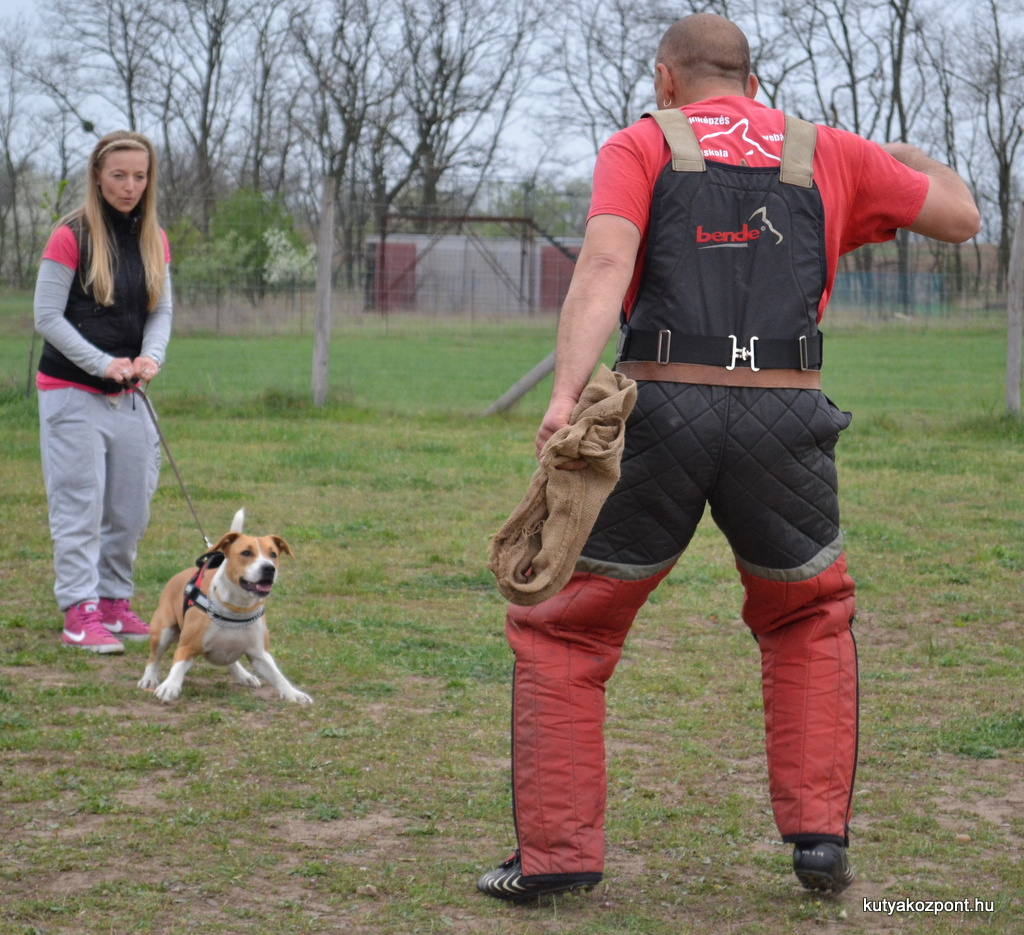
[201, 87]
[845, 60]
[110, 44]
[465, 62]
[344, 74]
[341, 75]
[605, 55]
[775, 58]
[993, 71]
[902, 103]
[17, 147]
[843, 82]
[938, 67]
[270, 85]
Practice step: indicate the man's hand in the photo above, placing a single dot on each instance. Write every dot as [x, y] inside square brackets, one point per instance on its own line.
[557, 417]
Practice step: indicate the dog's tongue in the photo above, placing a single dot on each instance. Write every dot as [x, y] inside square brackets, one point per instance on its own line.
[263, 587]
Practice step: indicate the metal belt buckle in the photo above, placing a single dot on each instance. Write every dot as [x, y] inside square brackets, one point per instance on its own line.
[742, 353]
[664, 343]
[621, 346]
[803, 352]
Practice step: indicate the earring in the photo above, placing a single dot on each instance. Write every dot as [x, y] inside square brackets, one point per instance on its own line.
[666, 103]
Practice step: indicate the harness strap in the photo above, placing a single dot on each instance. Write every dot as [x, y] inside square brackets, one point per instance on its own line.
[686, 153]
[796, 167]
[194, 596]
[666, 347]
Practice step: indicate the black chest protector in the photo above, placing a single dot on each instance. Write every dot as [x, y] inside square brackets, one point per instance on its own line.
[735, 262]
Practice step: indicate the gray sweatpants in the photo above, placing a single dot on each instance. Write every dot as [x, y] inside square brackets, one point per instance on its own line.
[101, 464]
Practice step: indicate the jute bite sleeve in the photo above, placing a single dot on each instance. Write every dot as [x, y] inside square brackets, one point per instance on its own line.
[533, 555]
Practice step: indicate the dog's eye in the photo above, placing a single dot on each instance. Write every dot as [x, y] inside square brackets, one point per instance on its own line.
[247, 552]
[273, 554]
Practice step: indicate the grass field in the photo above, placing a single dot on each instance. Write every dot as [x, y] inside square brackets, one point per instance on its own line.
[375, 810]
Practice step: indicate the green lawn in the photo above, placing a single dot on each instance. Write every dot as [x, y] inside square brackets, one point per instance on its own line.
[374, 810]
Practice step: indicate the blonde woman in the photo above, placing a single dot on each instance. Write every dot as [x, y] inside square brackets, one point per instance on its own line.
[103, 306]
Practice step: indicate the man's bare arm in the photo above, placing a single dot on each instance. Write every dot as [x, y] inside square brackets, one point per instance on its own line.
[589, 313]
[949, 212]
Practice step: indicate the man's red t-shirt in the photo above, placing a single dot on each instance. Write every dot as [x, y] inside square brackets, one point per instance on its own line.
[866, 193]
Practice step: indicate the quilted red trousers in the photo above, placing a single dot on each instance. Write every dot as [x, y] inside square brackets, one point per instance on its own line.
[763, 460]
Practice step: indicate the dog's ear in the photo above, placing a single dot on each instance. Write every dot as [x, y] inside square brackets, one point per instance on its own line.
[282, 546]
[224, 541]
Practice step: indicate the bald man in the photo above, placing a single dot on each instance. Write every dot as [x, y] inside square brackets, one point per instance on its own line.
[714, 233]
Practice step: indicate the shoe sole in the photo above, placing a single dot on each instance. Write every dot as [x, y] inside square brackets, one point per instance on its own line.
[107, 650]
[536, 894]
[822, 882]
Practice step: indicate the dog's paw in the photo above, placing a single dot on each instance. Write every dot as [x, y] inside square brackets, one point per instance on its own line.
[244, 677]
[299, 698]
[168, 693]
[147, 684]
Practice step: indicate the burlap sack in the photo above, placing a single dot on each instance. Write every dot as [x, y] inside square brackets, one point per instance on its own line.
[534, 553]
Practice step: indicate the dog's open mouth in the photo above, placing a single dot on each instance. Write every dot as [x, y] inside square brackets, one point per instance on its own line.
[257, 587]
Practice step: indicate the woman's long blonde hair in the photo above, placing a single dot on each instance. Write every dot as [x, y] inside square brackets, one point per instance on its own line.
[101, 259]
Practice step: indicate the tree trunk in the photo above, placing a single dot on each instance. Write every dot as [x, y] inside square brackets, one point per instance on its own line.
[325, 256]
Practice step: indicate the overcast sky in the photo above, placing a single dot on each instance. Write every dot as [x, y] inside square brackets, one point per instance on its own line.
[577, 161]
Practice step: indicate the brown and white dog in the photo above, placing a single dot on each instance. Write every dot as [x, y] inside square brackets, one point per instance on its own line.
[219, 614]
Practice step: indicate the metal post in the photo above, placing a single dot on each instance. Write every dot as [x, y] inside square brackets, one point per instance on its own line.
[1015, 316]
[325, 257]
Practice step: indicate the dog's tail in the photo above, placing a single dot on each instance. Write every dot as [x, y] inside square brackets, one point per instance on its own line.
[236, 523]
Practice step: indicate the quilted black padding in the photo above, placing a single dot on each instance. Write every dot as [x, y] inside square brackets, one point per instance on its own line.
[762, 458]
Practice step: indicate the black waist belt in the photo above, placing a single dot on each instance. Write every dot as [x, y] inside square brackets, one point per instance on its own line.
[664, 347]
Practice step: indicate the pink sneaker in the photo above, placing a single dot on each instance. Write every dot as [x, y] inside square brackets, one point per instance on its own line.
[84, 628]
[121, 620]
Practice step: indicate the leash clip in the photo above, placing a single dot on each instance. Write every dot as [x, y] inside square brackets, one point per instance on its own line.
[742, 353]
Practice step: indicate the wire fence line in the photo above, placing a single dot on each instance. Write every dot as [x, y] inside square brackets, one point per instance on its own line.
[255, 273]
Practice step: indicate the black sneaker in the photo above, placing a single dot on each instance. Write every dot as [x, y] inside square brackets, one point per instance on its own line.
[822, 866]
[506, 881]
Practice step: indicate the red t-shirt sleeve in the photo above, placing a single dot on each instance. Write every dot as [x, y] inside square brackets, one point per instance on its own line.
[62, 247]
[624, 177]
[167, 246]
[869, 195]
[625, 172]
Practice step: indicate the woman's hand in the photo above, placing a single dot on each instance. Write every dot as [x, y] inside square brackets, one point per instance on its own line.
[120, 370]
[145, 368]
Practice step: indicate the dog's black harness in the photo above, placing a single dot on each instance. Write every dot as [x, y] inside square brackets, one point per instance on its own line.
[194, 597]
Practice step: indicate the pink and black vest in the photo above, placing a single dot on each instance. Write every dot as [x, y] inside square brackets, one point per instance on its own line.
[117, 329]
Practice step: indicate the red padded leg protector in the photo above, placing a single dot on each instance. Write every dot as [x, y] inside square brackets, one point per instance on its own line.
[809, 683]
[566, 648]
